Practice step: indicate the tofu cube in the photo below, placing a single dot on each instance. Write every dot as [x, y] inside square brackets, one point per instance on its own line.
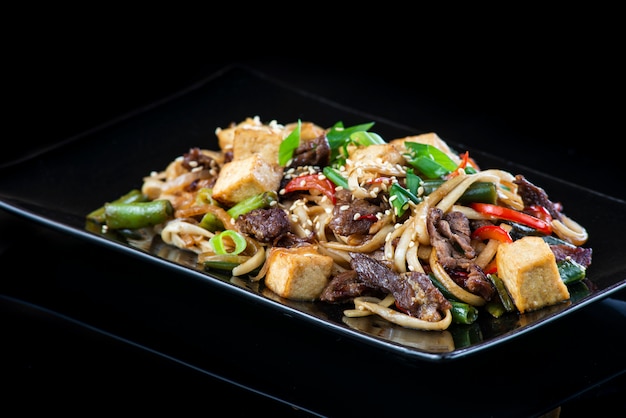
[528, 269]
[308, 130]
[299, 273]
[384, 154]
[264, 140]
[240, 179]
[226, 136]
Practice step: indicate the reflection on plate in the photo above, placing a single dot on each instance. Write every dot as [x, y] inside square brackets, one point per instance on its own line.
[92, 170]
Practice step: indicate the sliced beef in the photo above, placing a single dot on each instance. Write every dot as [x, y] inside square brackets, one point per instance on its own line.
[196, 158]
[579, 254]
[313, 152]
[414, 292]
[450, 237]
[266, 225]
[353, 216]
[534, 195]
[346, 286]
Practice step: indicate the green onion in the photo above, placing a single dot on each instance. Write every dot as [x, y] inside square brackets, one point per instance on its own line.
[429, 160]
[335, 176]
[399, 198]
[220, 247]
[289, 145]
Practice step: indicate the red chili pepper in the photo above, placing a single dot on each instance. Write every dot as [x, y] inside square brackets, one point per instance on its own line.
[312, 181]
[513, 215]
[462, 164]
[540, 212]
[492, 232]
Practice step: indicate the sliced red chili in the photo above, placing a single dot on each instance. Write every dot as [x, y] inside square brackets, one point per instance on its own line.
[492, 232]
[513, 215]
[312, 181]
[462, 164]
[540, 212]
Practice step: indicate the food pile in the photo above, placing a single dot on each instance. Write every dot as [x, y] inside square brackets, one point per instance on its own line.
[408, 229]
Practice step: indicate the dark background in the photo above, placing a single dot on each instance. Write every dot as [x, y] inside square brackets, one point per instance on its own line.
[540, 87]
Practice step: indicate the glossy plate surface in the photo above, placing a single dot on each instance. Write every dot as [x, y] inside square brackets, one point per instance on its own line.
[59, 187]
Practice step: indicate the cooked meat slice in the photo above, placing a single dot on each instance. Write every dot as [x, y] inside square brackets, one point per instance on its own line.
[312, 152]
[414, 292]
[266, 225]
[353, 216]
[534, 195]
[579, 254]
[346, 286]
[450, 237]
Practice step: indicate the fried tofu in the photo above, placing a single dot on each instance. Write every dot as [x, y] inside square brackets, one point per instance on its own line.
[529, 271]
[308, 130]
[226, 136]
[377, 153]
[264, 140]
[298, 273]
[240, 179]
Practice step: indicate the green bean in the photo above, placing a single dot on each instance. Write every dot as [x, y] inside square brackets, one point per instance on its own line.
[132, 196]
[571, 271]
[463, 313]
[261, 200]
[503, 294]
[137, 215]
[480, 191]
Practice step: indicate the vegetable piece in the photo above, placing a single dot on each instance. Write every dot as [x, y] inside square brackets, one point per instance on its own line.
[512, 215]
[313, 181]
[495, 308]
[571, 271]
[504, 296]
[223, 261]
[480, 191]
[138, 214]
[491, 232]
[211, 222]
[399, 198]
[339, 138]
[289, 145]
[463, 313]
[218, 243]
[335, 176]
[413, 181]
[259, 201]
[429, 160]
[540, 212]
[132, 196]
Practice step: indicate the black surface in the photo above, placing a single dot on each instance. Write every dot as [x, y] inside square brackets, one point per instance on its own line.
[556, 129]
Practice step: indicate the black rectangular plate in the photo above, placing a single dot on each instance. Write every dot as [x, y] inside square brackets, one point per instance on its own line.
[57, 188]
